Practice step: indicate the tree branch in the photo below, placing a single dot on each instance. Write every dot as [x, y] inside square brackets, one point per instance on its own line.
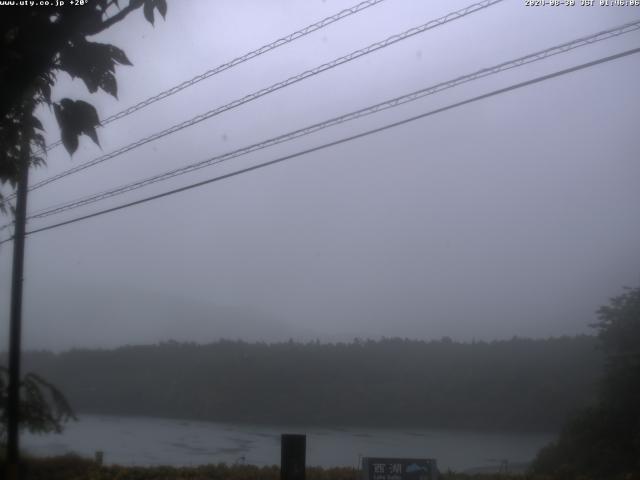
[133, 5]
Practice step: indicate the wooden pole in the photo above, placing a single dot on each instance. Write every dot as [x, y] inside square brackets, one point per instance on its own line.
[15, 326]
[293, 457]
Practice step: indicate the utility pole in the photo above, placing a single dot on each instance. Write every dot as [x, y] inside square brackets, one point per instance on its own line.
[13, 406]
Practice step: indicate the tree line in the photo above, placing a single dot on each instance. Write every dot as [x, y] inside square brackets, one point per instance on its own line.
[519, 384]
[603, 439]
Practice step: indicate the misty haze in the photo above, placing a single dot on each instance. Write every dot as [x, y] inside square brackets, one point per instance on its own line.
[402, 229]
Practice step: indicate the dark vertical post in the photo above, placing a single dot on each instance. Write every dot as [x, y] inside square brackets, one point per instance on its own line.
[13, 403]
[293, 457]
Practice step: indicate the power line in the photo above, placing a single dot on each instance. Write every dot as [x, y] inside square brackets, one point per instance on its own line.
[524, 60]
[343, 140]
[277, 86]
[237, 61]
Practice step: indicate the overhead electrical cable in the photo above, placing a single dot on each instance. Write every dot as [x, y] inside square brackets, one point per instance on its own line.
[275, 87]
[367, 133]
[394, 102]
[237, 61]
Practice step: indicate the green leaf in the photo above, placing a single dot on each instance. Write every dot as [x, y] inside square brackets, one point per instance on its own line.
[92, 134]
[37, 161]
[148, 10]
[76, 118]
[119, 56]
[35, 123]
[108, 84]
[45, 91]
[161, 5]
[69, 140]
[87, 119]
[39, 141]
[94, 63]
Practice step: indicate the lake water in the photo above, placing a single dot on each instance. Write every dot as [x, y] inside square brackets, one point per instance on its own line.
[157, 441]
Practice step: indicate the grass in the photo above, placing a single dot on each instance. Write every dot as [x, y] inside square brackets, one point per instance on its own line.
[72, 467]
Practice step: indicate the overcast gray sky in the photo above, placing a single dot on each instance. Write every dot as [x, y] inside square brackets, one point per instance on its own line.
[516, 215]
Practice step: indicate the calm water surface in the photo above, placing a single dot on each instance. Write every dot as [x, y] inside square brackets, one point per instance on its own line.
[157, 441]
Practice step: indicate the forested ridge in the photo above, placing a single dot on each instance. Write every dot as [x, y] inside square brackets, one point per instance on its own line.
[519, 384]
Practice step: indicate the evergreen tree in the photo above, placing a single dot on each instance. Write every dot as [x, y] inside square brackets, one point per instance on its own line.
[43, 408]
[604, 440]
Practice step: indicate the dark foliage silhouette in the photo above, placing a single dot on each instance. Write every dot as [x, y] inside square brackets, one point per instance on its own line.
[604, 440]
[36, 44]
[43, 408]
[519, 384]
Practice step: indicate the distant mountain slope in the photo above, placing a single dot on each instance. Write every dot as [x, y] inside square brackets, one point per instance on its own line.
[102, 317]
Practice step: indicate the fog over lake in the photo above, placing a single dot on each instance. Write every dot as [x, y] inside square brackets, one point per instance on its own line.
[438, 262]
[516, 215]
[153, 441]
